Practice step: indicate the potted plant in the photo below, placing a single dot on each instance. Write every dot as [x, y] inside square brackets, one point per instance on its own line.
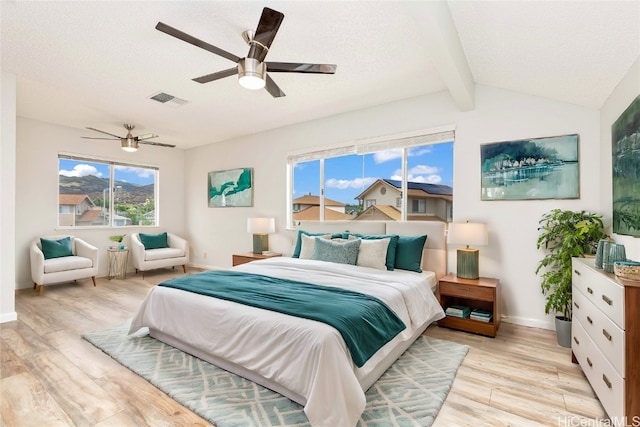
[118, 239]
[564, 234]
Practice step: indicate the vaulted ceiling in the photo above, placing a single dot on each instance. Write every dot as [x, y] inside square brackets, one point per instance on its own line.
[97, 63]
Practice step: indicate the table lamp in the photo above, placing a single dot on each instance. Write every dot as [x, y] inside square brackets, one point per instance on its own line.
[468, 233]
[261, 227]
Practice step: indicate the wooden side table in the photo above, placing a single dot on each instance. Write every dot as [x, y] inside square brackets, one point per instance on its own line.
[482, 294]
[250, 256]
[118, 263]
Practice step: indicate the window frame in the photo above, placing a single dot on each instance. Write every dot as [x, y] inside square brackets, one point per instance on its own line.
[111, 163]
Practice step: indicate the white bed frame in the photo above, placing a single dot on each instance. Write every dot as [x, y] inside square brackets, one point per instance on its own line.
[434, 259]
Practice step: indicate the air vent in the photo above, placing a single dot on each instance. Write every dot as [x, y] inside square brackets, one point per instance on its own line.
[165, 98]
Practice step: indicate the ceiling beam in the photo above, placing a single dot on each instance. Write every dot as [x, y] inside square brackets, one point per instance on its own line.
[435, 24]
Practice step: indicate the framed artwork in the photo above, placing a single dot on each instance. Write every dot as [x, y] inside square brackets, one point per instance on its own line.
[625, 140]
[230, 188]
[531, 169]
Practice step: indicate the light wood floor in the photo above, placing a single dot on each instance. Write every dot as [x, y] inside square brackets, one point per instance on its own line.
[49, 376]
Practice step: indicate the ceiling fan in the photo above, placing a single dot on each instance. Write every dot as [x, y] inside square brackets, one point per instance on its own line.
[252, 69]
[130, 143]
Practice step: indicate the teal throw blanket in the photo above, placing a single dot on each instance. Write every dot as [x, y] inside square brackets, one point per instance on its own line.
[365, 323]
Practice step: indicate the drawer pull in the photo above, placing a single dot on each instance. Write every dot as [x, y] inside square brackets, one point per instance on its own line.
[607, 299]
[577, 305]
[589, 320]
[589, 290]
[606, 334]
[606, 380]
[589, 362]
[576, 340]
[576, 271]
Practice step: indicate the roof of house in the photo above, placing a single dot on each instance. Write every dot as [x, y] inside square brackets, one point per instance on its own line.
[389, 211]
[90, 215]
[443, 190]
[309, 199]
[312, 213]
[72, 199]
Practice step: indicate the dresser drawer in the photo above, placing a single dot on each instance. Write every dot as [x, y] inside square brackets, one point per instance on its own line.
[605, 381]
[605, 293]
[606, 335]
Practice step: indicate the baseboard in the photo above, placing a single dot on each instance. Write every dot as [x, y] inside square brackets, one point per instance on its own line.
[8, 317]
[532, 323]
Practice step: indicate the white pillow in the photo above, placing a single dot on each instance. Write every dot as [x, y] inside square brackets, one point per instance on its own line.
[373, 253]
[308, 243]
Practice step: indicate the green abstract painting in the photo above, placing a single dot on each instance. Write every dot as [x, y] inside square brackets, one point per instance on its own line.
[625, 140]
[230, 188]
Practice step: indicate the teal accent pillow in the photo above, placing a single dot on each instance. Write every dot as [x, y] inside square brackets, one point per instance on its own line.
[339, 252]
[154, 241]
[391, 249]
[56, 248]
[409, 253]
[296, 250]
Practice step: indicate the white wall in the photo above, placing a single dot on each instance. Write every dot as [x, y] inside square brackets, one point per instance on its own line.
[38, 146]
[7, 196]
[626, 91]
[499, 115]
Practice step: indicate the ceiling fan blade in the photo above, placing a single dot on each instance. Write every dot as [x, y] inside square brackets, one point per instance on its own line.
[268, 26]
[195, 41]
[295, 67]
[146, 136]
[106, 139]
[273, 88]
[216, 76]
[159, 144]
[106, 133]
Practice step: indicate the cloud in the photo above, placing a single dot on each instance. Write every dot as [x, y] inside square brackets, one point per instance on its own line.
[343, 184]
[139, 172]
[81, 170]
[420, 173]
[387, 155]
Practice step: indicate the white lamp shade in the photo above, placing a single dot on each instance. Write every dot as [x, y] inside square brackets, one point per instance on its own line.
[261, 225]
[468, 233]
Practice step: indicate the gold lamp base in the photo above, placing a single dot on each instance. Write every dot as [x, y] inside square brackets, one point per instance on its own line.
[468, 263]
[260, 243]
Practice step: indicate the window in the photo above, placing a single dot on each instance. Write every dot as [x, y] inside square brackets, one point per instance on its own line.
[367, 181]
[97, 193]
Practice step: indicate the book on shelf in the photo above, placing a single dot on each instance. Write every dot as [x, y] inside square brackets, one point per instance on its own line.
[481, 315]
[458, 311]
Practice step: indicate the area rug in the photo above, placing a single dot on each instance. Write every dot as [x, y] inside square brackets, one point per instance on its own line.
[410, 393]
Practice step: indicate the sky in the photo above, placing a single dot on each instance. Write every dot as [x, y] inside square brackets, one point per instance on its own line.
[72, 168]
[348, 176]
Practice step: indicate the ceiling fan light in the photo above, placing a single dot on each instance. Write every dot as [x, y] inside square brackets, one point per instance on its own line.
[129, 144]
[251, 73]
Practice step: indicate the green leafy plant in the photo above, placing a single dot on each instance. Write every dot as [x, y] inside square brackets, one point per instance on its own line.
[565, 234]
[117, 238]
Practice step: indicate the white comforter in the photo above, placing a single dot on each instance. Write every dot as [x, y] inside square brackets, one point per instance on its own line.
[307, 357]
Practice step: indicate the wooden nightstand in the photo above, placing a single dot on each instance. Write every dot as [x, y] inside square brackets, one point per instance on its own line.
[250, 256]
[482, 293]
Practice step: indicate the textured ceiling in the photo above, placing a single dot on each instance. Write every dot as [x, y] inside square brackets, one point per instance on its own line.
[96, 63]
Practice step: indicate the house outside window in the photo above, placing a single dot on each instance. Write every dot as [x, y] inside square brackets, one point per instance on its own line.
[99, 193]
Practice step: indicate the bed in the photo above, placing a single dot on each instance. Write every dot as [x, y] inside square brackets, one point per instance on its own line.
[305, 360]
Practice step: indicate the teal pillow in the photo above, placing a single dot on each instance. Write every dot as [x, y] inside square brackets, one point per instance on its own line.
[391, 249]
[409, 253]
[339, 252]
[154, 241]
[296, 250]
[56, 248]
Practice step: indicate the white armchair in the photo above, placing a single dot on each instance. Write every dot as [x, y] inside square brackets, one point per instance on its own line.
[177, 253]
[81, 264]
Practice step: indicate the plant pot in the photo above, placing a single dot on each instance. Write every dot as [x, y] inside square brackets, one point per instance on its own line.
[563, 331]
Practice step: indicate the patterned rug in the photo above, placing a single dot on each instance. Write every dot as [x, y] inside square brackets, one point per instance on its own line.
[410, 393]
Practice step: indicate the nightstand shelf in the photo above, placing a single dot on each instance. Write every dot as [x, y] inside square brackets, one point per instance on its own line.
[238, 259]
[482, 294]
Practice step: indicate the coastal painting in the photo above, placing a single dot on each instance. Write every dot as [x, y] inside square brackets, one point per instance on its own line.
[230, 188]
[625, 139]
[531, 169]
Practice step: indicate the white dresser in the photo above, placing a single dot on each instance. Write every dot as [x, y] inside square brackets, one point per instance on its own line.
[606, 337]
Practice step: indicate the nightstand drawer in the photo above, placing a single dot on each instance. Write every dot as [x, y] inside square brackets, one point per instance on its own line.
[466, 291]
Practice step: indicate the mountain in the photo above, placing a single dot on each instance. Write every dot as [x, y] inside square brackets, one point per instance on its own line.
[93, 186]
